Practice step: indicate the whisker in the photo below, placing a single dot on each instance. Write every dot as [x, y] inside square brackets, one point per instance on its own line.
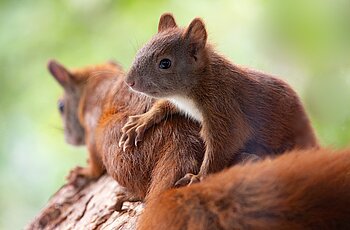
[100, 72]
[56, 128]
[153, 84]
[135, 44]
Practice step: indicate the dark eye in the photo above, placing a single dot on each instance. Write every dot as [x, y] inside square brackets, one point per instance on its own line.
[61, 106]
[164, 63]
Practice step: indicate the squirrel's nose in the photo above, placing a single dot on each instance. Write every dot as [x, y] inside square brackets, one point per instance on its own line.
[131, 83]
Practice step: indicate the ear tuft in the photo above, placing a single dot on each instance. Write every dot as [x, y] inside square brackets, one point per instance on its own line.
[166, 21]
[196, 34]
[59, 72]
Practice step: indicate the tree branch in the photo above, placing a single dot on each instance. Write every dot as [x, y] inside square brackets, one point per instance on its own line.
[89, 206]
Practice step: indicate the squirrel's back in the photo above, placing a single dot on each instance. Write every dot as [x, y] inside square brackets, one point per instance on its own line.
[299, 190]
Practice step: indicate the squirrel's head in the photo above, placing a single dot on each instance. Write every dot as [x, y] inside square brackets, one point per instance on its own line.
[71, 105]
[172, 62]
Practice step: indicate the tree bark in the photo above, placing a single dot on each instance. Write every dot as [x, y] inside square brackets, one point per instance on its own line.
[89, 206]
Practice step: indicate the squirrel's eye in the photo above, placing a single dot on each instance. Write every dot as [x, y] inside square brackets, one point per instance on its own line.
[61, 106]
[165, 64]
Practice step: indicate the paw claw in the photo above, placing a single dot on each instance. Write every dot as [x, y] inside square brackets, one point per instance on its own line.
[133, 131]
[188, 180]
[124, 147]
[120, 144]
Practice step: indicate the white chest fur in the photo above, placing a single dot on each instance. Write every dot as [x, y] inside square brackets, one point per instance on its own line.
[187, 106]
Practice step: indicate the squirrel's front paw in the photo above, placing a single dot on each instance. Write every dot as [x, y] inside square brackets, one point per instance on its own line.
[134, 130]
[188, 179]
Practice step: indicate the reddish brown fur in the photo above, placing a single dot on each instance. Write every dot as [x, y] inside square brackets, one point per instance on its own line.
[169, 150]
[242, 110]
[307, 189]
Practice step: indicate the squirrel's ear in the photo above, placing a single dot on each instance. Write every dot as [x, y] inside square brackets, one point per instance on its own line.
[60, 73]
[196, 35]
[166, 21]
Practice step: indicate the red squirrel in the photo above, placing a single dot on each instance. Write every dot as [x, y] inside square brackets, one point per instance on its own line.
[95, 106]
[304, 189]
[239, 109]
[80, 107]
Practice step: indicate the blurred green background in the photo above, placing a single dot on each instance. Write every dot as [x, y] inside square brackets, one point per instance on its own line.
[304, 42]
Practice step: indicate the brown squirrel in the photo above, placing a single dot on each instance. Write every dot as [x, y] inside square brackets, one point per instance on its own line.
[240, 110]
[80, 108]
[304, 189]
[95, 106]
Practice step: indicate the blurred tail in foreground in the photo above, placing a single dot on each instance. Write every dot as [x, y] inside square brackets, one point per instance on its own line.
[300, 190]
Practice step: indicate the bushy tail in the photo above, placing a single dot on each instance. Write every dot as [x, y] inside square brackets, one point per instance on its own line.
[307, 189]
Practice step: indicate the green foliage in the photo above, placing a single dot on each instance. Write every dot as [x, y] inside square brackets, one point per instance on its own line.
[305, 42]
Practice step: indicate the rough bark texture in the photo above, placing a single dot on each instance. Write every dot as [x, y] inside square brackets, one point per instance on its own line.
[89, 206]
